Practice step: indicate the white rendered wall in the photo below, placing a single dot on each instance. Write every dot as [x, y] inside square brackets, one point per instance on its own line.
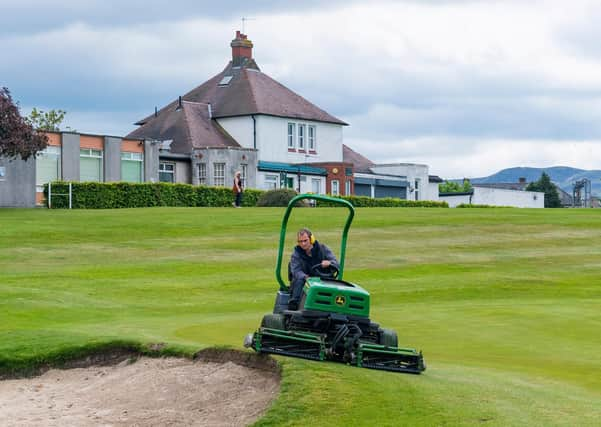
[504, 197]
[306, 185]
[413, 172]
[272, 138]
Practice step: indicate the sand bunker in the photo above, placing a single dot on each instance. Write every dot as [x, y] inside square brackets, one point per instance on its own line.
[143, 392]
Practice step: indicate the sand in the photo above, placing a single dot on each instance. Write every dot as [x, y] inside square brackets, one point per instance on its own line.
[141, 392]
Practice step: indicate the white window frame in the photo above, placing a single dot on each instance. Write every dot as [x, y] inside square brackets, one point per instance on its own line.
[202, 173]
[243, 172]
[316, 186]
[270, 182]
[163, 170]
[301, 136]
[335, 187]
[128, 156]
[291, 135]
[311, 136]
[347, 187]
[50, 153]
[219, 174]
[92, 153]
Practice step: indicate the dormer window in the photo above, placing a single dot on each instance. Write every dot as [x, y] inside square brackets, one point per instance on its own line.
[225, 81]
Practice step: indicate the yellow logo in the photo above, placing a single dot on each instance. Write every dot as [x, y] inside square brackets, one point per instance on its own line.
[340, 300]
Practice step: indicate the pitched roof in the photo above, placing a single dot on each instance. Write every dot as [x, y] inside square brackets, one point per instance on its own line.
[360, 163]
[188, 125]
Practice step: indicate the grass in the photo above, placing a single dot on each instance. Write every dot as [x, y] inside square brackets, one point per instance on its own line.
[505, 303]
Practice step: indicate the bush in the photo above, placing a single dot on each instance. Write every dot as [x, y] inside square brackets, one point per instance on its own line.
[111, 195]
[280, 197]
[368, 202]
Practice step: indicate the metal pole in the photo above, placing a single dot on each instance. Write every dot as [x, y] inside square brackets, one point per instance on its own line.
[49, 195]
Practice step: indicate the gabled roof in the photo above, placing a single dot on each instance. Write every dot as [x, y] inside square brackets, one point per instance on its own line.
[360, 163]
[250, 91]
[188, 125]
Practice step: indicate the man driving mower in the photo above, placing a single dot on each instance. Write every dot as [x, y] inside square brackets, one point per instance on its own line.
[308, 257]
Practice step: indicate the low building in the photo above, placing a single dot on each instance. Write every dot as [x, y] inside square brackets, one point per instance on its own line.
[71, 156]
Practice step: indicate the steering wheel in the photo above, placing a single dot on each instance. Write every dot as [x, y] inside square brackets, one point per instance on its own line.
[330, 272]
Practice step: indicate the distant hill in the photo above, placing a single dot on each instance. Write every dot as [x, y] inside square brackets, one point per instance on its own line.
[562, 176]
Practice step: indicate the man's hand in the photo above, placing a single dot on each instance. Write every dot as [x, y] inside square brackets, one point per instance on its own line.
[325, 263]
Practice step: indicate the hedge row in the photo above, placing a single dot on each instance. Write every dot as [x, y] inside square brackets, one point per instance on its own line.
[391, 202]
[112, 195]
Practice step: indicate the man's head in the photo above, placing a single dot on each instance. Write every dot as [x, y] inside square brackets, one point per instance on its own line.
[305, 239]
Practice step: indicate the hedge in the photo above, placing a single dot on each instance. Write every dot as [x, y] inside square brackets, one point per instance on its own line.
[368, 202]
[112, 195]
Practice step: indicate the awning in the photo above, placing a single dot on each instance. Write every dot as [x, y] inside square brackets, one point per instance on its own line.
[290, 168]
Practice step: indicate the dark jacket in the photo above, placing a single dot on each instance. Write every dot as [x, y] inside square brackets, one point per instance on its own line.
[301, 263]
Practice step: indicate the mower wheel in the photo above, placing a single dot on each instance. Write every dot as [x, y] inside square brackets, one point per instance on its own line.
[273, 321]
[389, 338]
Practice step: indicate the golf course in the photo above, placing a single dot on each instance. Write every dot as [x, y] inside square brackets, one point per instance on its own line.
[505, 303]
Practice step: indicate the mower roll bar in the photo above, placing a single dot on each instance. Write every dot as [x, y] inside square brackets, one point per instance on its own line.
[347, 225]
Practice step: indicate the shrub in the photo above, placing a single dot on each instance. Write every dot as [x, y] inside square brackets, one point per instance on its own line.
[110, 195]
[280, 197]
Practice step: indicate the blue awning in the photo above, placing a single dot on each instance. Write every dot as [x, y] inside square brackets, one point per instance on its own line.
[289, 168]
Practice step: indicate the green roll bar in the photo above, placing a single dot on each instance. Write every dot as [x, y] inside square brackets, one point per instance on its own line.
[347, 225]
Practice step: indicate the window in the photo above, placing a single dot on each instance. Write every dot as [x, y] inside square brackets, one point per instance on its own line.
[335, 187]
[48, 165]
[90, 165]
[219, 174]
[166, 172]
[315, 185]
[347, 187]
[132, 167]
[301, 137]
[417, 189]
[243, 171]
[202, 173]
[311, 137]
[291, 135]
[271, 182]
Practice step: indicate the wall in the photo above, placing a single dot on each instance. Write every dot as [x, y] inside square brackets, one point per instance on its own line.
[17, 183]
[233, 157]
[413, 173]
[504, 197]
[497, 197]
[272, 138]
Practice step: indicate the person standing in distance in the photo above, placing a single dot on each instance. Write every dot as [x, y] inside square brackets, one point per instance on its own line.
[237, 189]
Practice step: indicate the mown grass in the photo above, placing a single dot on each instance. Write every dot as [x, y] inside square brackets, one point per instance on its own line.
[505, 303]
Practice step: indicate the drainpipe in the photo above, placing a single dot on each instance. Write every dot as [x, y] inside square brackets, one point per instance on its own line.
[254, 132]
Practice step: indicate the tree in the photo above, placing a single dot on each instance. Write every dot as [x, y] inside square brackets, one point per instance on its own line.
[17, 136]
[50, 120]
[544, 185]
[455, 187]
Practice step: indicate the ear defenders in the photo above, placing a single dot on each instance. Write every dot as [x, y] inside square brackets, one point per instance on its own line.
[308, 233]
[312, 239]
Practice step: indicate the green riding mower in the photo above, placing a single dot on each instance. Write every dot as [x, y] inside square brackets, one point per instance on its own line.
[332, 320]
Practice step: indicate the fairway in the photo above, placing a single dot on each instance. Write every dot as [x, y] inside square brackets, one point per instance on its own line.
[505, 303]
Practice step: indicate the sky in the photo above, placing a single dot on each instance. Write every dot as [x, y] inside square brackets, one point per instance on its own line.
[466, 87]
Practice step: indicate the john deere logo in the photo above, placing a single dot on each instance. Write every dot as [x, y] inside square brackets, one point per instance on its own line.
[340, 300]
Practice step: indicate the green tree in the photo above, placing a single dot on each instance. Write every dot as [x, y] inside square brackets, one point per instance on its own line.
[17, 137]
[46, 120]
[455, 187]
[545, 185]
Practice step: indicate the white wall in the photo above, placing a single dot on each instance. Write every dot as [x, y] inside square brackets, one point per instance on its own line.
[413, 172]
[505, 197]
[272, 138]
[306, 184]
[498, 197]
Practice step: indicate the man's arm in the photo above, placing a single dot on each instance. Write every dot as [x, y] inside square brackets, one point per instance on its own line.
[329, 255]
[296, 267]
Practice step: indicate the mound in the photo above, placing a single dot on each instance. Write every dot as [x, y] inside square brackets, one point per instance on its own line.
[144, 391]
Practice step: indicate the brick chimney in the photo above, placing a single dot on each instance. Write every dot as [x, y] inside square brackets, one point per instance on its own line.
[242, 49]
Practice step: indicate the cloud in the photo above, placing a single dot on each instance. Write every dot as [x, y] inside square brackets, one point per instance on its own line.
[434, 81]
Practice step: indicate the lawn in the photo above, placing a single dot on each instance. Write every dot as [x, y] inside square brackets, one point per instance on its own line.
[505, 303]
